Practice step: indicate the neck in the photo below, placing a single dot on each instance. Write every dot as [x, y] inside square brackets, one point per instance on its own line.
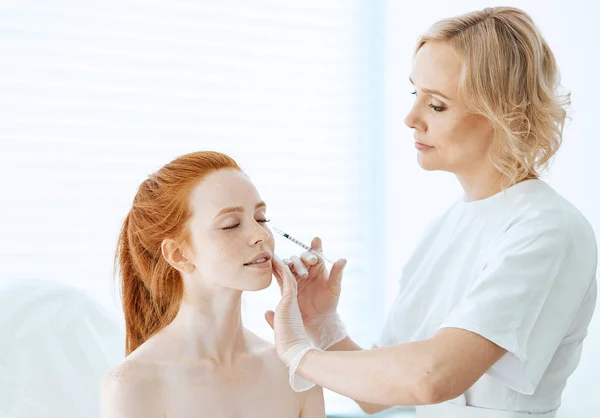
[482, 182]
[209, 326]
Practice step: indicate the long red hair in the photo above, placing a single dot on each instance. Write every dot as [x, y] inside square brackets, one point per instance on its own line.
[151, 288]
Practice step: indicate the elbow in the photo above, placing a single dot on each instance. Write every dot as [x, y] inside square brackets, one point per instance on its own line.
[371, 409]
[426, 393]
[366, 409]
[435, 382]
[429, 391]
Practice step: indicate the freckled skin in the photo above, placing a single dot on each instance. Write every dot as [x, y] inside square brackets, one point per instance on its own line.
[205, 364]
[255, 387]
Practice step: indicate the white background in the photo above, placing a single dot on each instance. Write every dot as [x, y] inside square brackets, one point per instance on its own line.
[308, 96]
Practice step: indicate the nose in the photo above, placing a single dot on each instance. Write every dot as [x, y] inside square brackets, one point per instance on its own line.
[413, 119]
[259, 234]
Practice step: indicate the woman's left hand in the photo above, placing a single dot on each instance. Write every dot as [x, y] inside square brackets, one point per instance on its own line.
[290, 336]
[291, 340]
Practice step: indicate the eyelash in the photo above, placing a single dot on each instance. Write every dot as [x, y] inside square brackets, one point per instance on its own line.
[435, 108]
[261, 221]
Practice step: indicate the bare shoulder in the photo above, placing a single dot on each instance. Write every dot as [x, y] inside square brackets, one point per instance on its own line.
[131, 374]
[311, 402]
[131, 389]
[265, 350]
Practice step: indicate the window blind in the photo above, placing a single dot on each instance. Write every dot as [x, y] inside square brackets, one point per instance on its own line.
[93, 97]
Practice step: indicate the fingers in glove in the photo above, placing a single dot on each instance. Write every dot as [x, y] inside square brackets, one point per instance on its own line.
[316, 244]
[309, 258]
[287, 278]
[335, 276]
[276, 272]
[299, 267]
[270, 317]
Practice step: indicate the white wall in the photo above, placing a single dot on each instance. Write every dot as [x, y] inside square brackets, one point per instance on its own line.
[415, 196]
[96, 95]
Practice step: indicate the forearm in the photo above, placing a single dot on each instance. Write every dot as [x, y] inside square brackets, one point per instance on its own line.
[383, 376]
[347, 344]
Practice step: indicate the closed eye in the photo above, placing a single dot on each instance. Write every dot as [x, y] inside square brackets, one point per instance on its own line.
[261, 221]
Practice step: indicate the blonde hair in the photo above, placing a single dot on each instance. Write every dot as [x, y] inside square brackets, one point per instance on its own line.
[509, 76]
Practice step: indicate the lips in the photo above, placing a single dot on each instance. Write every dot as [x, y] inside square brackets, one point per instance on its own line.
[422, 147]
[260, 258]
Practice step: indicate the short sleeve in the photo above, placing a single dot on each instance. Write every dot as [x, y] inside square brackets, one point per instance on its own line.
[527, 295]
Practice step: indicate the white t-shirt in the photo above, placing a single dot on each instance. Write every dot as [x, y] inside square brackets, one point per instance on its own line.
[517, 268]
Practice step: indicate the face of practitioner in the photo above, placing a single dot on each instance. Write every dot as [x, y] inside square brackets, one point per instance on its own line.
[447, 136]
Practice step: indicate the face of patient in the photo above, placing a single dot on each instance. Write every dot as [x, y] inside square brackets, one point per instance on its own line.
[232, 246]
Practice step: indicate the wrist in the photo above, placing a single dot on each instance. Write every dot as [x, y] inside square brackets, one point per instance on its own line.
[293, 358]
[326, 330]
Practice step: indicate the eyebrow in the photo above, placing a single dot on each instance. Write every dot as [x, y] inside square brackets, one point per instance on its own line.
[259, 205]
[433, 92]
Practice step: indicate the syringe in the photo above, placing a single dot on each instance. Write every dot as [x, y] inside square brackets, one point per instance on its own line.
[300, 243]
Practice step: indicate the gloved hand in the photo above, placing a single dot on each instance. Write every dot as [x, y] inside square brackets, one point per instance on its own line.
[291, 340]
[318, 296]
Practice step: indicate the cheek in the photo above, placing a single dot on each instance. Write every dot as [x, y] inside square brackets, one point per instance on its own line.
[225, 243]
[271, 241]
[215, 249]
[443, 130]
[477, 134]
[462, 135]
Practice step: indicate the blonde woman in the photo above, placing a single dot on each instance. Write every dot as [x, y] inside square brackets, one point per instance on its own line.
[496, 299]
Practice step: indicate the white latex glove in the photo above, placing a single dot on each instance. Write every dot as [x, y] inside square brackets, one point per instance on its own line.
[318, 296]
[291, 340]
[325, 330]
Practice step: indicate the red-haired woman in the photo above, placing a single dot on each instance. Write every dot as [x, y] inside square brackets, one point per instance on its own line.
[194, 240]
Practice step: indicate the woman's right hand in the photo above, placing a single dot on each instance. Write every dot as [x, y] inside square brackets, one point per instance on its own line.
[318, 295]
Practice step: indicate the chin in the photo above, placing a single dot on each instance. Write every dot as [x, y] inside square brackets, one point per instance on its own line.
[427, 163]
[259, 282]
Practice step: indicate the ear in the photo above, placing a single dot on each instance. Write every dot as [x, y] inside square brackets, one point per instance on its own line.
[176, 257]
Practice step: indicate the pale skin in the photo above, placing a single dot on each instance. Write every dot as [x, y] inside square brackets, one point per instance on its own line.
[448, 138]
[204, 363]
